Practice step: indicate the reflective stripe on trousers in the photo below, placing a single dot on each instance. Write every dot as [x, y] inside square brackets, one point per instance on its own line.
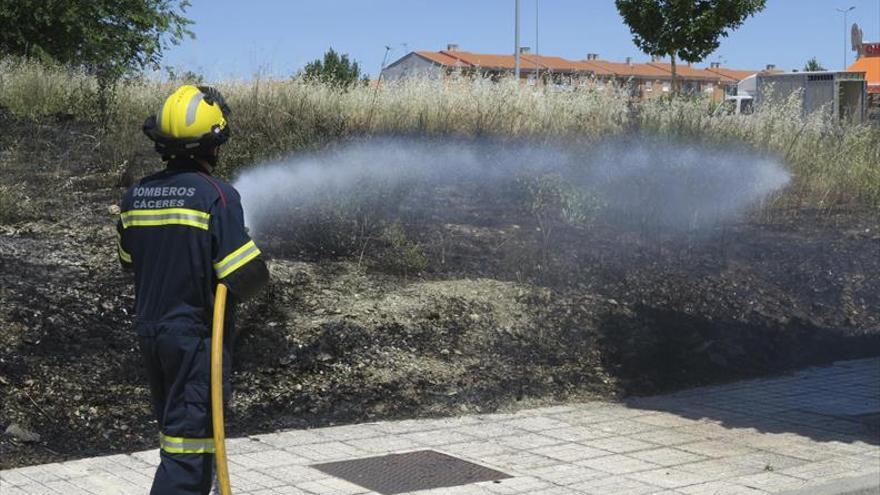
[183, 445]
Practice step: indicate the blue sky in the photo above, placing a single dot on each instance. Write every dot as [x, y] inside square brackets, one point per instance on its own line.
[239, 39]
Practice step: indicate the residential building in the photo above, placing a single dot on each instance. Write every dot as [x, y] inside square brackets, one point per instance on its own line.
[868, 62]
[452, 60]
[645, 80]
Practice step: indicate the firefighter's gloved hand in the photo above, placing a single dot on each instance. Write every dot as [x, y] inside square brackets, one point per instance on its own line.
[212, 95]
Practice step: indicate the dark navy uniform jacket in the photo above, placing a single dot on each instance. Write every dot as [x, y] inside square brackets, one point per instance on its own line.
[181, 231]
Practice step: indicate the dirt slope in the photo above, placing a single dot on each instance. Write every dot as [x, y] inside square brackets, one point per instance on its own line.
[487, 324]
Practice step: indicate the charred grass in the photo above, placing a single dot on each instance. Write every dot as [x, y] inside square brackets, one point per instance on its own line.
[401, 314]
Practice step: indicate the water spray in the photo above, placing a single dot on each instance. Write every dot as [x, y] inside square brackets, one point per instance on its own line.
[677, 185]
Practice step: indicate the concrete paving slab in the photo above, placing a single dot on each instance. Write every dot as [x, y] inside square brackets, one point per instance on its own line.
[799, 433]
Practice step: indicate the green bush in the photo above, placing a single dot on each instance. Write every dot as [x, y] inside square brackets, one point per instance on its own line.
[401, 255]
[554, 203]
[551, 199]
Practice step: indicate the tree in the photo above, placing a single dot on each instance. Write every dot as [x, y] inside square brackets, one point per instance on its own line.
[334, 69]
[813, 65]
[686, 29]
[111, 38]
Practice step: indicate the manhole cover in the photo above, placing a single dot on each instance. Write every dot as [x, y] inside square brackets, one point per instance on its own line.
[412, 471]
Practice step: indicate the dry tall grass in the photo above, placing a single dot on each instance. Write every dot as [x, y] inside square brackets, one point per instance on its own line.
[832, 163]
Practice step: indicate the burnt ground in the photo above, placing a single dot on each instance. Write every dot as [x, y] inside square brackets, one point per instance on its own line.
[498, 317]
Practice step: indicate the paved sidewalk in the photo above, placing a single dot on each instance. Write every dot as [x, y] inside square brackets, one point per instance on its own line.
[817, 427]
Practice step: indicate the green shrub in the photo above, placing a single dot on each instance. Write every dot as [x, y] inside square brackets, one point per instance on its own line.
[401, 254]
[551, 199]
[554, 203]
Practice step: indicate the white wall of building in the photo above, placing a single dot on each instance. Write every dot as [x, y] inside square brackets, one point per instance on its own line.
[412, 65]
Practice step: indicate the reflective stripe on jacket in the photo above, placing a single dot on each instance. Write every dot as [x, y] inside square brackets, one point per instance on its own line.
[180, 231]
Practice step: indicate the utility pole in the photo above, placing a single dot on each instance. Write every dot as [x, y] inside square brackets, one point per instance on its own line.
[537, 48]
[516, 44]
[845, 13]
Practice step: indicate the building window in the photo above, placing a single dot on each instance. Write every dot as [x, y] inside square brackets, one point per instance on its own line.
[649, 85]
[821, 77]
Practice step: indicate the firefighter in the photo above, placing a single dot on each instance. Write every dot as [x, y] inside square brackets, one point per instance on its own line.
[181, 231]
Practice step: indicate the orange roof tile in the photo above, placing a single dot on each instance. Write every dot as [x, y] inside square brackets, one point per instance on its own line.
[871, 67]
[483, 60]
[559, 64]
[597, 69]
[529, 62]
[549, 63]
[442, 59]
[622, 69]
[685, 71]
[732, 74]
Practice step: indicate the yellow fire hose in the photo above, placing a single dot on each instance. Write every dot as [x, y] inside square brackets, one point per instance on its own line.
[217, 390]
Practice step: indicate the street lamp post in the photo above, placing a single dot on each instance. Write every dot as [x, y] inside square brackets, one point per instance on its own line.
[516, 44]
[845, 13]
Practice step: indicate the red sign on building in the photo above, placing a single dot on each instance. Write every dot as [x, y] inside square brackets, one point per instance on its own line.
[871, 49]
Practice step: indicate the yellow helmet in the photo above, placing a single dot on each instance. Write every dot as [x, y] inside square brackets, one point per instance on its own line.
[191, 122]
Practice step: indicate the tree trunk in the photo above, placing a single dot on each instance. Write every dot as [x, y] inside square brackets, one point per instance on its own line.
[674, 77]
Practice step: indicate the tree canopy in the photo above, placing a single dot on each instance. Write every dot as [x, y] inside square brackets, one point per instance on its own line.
[686, 29]
[335, 69]
[813, 65]
[108, 37]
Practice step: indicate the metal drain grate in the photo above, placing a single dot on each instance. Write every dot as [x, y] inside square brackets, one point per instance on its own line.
[412, 471]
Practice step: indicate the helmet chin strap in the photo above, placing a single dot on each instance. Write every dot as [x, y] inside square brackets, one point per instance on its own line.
[208, 162]
[206, 165]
